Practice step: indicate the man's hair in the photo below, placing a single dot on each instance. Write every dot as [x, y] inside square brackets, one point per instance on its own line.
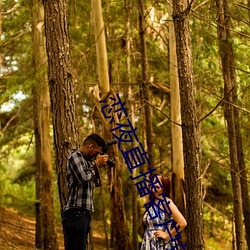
[95, 140]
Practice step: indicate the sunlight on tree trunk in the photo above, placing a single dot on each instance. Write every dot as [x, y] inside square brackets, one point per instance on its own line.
[46, 237]
[176, 132]
[101, 51]
[117, 203]
[119, 239]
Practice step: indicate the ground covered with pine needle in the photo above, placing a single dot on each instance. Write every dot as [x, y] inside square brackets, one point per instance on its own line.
[17, 231]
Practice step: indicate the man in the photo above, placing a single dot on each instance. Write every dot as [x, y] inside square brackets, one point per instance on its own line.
[82, 169]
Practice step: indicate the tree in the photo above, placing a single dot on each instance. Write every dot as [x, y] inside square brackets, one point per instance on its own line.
[243, 177]
[231, 115]
[181, 16]
[176, 132]
[144, 86]
[134, 201]
[45, 217]
[101, 51]
[61, 87]
[117, 203]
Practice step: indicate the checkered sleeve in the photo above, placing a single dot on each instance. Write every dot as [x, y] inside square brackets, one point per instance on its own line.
[80, 167]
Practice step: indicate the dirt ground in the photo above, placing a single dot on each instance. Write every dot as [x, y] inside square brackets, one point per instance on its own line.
[18, 232]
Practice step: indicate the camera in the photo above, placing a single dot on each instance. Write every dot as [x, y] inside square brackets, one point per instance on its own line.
[110, 162]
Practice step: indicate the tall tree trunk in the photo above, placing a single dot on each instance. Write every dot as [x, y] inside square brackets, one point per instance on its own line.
[117, 203]
[189, 126]
[102, 63]
[104, 219]
[145, 88]
[176, 131]
[36, 99]
[230, 93]
[101, 51]
[61, 87]
[120, 239]
[120, 234]
[46, 237]
[132, 106]
[243, 179]
[118, 214]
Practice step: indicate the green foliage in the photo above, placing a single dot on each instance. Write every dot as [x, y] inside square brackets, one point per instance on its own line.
[19, 197]
[217, 229]
[18, 189]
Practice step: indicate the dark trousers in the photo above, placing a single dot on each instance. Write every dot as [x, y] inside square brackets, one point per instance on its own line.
[76, 226]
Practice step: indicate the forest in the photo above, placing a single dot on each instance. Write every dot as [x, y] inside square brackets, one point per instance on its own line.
[180, 71]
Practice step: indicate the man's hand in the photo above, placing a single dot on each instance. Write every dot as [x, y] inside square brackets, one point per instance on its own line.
[101, 160]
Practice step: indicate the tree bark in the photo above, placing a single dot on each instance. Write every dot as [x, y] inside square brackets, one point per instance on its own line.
[104, 219]
[231, 116]
[117, 203]
[176, 131]
[132, 107]
[145, 88]
[101, 51]
[61, 87]
[191, 152]
[46, 237]
[243, 178]
[119, 218]
[119, 231]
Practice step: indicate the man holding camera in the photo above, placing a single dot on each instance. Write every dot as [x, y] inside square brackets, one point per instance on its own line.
[82, 173]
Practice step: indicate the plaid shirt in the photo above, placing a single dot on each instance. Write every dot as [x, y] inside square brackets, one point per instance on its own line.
[80, 179]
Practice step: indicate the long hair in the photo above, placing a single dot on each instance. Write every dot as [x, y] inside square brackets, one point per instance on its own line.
[166, 185]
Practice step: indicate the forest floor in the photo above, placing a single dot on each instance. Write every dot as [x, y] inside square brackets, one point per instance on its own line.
[18, 232]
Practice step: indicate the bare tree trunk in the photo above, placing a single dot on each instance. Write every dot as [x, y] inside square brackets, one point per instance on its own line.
[61, 88]
[104, 219]
[119, 233]
[230, 92]
[243, 179]
[189, 126]
[102, 65]
[145, 88]
[117, 203]
[119, 218]
[132, 106]
[233, 236]
[38, 68]
[176, 131]
[46, 237]
[101, 51]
